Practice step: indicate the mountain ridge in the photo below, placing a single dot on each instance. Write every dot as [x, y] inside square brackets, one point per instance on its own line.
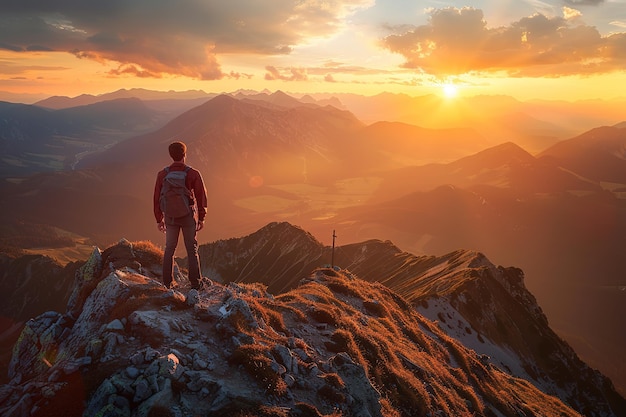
[463, 281]
[223, 350]
[597, 154]
[506, 165]
[60, 102]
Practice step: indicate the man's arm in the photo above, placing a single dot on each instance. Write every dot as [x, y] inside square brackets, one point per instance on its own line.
[156, 200]
[199, 192]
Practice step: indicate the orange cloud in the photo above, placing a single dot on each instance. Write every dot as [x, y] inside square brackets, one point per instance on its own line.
[133, 70]
[293, 74]
[457, 41]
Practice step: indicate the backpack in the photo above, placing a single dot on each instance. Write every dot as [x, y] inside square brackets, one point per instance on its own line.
[176, 200]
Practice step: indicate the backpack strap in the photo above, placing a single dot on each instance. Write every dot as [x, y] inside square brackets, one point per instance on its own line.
[189, 192]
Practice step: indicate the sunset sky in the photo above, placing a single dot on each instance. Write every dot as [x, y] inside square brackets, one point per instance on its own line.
[551, 49]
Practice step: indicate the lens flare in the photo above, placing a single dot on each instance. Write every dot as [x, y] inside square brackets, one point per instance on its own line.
[255, 181]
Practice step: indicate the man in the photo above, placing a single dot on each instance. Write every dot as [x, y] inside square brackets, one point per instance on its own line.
[188, 223]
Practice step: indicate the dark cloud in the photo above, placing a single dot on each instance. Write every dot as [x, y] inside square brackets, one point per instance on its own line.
[166, 36]
[13, 48]
[457, 41]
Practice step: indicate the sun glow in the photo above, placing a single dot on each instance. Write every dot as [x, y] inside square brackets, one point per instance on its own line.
[450, 90]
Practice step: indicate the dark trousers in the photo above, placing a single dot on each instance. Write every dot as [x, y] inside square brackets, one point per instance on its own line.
[173, 226]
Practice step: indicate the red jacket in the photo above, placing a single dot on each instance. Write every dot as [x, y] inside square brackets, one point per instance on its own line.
[194, 184]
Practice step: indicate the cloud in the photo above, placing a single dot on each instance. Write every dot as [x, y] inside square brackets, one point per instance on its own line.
[336, 67]
[293, 74]
[584, 2]
[618, 23]
[182, 37]
[569, 13]
[133, 70]
[239, 75]
[9, 68]
[457, 41]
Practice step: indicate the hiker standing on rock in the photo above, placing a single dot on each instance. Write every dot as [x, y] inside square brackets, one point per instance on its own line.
[180, 195]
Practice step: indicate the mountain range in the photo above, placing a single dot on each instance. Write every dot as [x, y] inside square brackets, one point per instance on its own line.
[35, 139]
[534, 125]
[556, 213]
[409, 335]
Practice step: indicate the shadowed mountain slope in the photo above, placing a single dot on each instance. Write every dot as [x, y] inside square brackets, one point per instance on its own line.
[506, 166]
[34, 139]
[225, 134]
[599, 154]
[29, 285]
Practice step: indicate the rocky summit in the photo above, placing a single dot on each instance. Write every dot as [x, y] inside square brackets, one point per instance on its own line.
[333, 345]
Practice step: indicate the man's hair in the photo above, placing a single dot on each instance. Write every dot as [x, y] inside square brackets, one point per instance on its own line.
[177, 150]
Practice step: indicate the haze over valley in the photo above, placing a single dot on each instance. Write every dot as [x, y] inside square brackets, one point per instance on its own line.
[556, 212]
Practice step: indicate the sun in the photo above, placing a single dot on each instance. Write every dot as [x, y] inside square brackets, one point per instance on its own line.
[450, 90]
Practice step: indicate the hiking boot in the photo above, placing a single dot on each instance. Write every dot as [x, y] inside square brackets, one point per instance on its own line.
[203, 282]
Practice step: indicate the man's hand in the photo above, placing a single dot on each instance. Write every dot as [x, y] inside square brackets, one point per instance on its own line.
[199, 225]
[161, 226]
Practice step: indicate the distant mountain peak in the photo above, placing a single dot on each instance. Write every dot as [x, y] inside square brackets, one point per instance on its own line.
[61, 102]
[503, 153]
[598, 154]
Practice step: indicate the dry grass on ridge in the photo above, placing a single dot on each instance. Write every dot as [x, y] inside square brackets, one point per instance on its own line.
[380, 331]
[413, 364]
